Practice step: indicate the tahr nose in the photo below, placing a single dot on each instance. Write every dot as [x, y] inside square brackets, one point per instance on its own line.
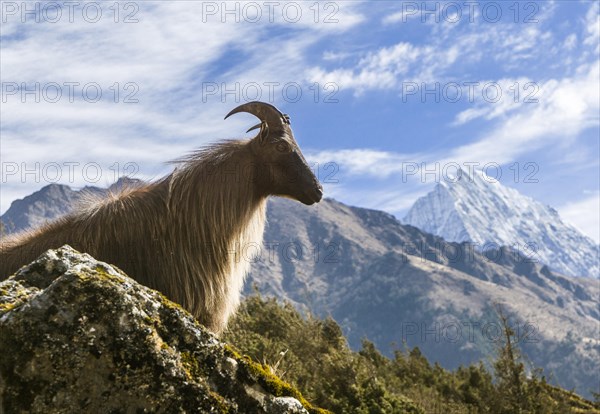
[319, 189]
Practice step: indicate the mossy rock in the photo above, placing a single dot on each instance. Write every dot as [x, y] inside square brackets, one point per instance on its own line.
[78, 335]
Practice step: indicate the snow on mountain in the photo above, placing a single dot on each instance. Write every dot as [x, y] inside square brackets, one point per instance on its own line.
[477, 209]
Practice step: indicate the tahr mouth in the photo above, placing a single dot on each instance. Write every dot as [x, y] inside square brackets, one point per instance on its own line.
[313, 196]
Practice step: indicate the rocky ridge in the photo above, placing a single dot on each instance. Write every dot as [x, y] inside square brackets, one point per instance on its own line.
[78, 335]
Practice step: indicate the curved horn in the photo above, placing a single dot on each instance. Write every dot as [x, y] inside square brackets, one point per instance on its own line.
[265, 112]
[254, 127]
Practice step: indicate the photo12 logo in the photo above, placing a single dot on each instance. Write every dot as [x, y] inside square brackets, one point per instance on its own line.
[471, 92]
[69, 12]
[66, 171]
[467, 11]
[290, 92]
[466, 331]
[54, 92]
[454, 171]
[471, 252]
[269, 11]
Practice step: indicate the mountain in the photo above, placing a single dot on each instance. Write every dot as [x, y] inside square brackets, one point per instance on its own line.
[482, 211]
[52, 201]
[396, 284]
[43, 205]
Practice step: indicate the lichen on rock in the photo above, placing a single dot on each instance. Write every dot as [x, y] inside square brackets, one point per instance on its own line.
[78, 335]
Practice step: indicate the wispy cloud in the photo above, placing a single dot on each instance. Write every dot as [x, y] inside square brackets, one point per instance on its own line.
[171, 52]
[585, 215]
[566, 108]
[449, 52]
[493, 99]
[160, 59]
[593, 27]
[402, 16]
[366, 162]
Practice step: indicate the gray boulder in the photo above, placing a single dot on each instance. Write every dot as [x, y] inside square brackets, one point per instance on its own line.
[78, 335]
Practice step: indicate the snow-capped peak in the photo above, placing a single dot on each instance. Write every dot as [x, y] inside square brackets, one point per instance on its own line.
[478, 209]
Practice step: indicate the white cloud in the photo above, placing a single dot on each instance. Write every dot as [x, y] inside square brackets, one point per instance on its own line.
[593, 25]
[332, 56]
[566, 108]
[446, 53]
[172, 49]
[493, 99]
[170, 52]
[376, 70]
[570, 42]
[585, 215]
[399, 17]
[366, 162]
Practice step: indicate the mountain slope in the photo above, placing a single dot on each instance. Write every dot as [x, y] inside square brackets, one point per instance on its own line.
[50, 202]
[43, 205]
[473, 208]
[394, 283]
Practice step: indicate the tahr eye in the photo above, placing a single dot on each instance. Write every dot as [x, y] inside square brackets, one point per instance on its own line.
[283, 147]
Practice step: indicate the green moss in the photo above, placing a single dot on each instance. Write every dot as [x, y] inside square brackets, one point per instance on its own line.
[221, 405]
[231, 352]
[5, 307]
[254, 371]
[191, 366]
[12, 295]
[102, 272]
[165, 301]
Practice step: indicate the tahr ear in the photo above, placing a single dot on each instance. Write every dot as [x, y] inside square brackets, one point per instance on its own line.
[264, 133]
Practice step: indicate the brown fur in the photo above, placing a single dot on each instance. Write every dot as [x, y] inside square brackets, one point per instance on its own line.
[187, 235]
[181, 235]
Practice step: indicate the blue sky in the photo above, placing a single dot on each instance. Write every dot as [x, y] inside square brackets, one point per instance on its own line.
[387, 89]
